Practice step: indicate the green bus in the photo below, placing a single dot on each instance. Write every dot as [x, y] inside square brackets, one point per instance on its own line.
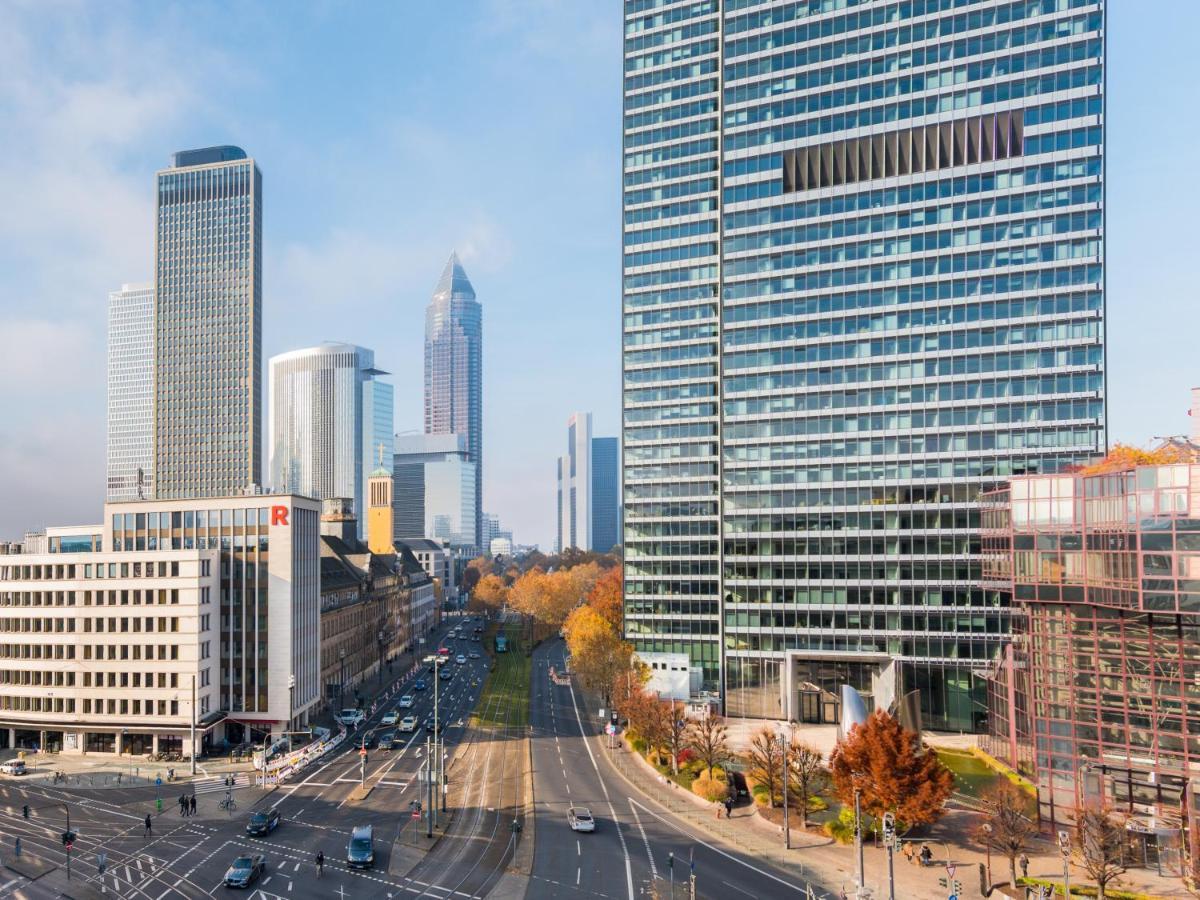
[501, 643]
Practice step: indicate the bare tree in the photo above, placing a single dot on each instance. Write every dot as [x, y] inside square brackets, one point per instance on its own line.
[709, 740]
[1006, 826]
[1102, 839]
[764, 759]
[676, 731]
[806, 774]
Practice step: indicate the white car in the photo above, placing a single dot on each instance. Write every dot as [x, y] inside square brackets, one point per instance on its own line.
[407, 701]
[408, 723]
[350, 717]
[13, 767]
[460, 659]
[390, 718]
[580, 819]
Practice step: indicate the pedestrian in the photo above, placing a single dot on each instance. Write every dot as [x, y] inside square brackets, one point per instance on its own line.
[192, 804]
[183, 804]
[17, 847]
[729, 807]
[320, 863]
[149, 826]
[1023, 862]
[718, 805]
[908, 853]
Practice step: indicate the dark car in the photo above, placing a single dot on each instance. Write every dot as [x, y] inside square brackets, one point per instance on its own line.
[387, 740]
[432, 725]
[360, 853]
[368, 740]
[446, 675]
[263, 822]
[419, 684]
[244, 870]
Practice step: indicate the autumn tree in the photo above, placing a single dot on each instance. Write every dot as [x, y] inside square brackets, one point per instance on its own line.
[764, 763]
[807, 777]
[1123, 456]
[627, 691]
[1102, 846]
[890, 768]
[597, 653]
[606, 598]
[676, 728]
[489, 594]
[1006, 827]
[708, 738]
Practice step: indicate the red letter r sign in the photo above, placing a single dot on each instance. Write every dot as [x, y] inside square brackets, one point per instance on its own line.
[279, 515]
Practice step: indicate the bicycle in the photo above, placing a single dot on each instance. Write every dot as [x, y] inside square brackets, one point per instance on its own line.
[228, 803]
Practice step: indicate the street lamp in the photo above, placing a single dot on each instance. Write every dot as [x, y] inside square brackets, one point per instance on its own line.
[291, 708]
[784, 742]
[986, 828]
[342, 682]
[1064, 847]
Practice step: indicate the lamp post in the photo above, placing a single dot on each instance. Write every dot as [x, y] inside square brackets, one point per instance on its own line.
[1064, 847]
[986, 828]
[291, 713]
[858, 839]
[193, 724]
[787, 830]
[889, 840]
[342, 682]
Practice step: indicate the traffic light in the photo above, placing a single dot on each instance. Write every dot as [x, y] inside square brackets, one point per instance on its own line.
[68, 839]
[25, 810]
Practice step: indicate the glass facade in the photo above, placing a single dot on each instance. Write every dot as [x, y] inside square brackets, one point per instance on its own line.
[434, 489]
[130, 455]
[863, 281]
[330, 423]
[454, 371]
[606, 492]
[208, 325]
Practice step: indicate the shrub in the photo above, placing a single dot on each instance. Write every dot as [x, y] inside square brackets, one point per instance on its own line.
[639, 745]
[685, 756]
[714, 789]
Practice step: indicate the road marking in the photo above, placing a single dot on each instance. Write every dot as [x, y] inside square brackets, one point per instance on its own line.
[736, 888]
[578, 872]
[645, 840]
[578, 849]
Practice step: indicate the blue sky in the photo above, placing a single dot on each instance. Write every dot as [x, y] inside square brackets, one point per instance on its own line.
[390, 133]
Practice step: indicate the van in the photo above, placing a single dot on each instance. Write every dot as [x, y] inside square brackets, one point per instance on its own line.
[360, 854]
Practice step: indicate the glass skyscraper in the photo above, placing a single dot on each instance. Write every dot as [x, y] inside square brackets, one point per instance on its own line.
[434, 490]
[208, 325]
[454, 370]
[330, 423]
[588, 489]
[863, 282]
[130, 455]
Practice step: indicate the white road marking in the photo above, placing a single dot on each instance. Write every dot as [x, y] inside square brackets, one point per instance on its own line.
[736, 888]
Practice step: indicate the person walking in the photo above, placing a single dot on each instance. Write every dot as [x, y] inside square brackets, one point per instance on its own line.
[1023, 862]
[729, 807]
[192, 804]
[149, 823]
[320, 863]
[183, 804]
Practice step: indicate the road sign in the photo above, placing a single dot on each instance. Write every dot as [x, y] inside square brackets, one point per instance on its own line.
[416, 814]
[952, 897]
[610, 728]
[363, 752]
[951, 869]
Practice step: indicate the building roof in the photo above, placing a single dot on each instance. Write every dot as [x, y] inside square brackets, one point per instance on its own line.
[206, 156]
[454, 282]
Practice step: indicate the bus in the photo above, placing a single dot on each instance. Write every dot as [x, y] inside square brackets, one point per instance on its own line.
[501, 643]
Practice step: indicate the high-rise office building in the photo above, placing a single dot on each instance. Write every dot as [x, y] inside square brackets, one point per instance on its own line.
[130, 456]
[330, 422]
[863, 281]
[454, 370]
[435, 484]
[208, 325]
[587, 489]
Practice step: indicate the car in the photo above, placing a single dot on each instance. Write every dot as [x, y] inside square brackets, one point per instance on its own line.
[263, 822]
[434, 726]
[460, 659]
[350, 717]
[367, 741]
[442, 660]
[243, 871]
[580, 819]
[474, 654]
[408, 723]
[446, 675]
[430, 658]
[390, 718]
[360, 852]
[407, 701]
[419, 684]
[387, 740]
[475, 638]
[14, 767]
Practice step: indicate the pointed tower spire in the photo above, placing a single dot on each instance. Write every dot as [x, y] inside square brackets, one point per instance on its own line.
[454, 281]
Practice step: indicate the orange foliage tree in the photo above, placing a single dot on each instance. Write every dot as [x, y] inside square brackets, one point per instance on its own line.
[894, 773]
[1123, 456]
[605, 598]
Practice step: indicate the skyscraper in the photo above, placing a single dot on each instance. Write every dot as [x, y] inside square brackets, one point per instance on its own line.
[208, 325]
[130, 458]
[454, 369]
[330, 423]
[435, 489]
[587, 489]
[863, 281]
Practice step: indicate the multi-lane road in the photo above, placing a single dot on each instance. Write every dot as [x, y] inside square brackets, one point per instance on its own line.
[629, 853]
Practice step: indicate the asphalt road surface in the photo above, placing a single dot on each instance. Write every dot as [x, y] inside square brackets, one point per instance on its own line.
[634, 837]
[188, 857]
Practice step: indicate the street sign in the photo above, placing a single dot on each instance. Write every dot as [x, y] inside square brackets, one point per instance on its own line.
[362, 751]
[951, 869]
[610, 728]
[416, 814]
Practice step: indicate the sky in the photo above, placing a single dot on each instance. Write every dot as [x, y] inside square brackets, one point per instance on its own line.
[389, 134]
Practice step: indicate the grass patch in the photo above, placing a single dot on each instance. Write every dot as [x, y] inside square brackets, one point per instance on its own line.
[506, 688]
[1085, 890]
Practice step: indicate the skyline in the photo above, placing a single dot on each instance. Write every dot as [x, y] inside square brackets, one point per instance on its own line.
[456, 164]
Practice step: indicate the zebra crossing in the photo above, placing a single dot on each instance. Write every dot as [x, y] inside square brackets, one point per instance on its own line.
[211, 784]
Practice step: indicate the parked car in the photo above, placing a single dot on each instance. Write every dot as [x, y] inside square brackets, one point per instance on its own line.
[360, 852]
[14, 767]
[580, 819]
[408, 723]
[243, 871]
[407, 701]
[390, 717]
[263, 822]
[349, 717]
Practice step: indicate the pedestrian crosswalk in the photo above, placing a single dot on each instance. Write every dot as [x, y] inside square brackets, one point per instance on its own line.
[211, 784]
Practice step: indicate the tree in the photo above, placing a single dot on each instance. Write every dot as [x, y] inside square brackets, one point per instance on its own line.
[1123, 456]
[807, 777]
[887, 764]
[606, 598]
[1102, 839]
[708, 738]
[764, 760]
[597, 652]
[628, 694]
[676, 727]
[1006, 827]
[489, 594]
[470, 578]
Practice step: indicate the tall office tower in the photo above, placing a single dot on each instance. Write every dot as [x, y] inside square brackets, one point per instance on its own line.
[130, 463]
[435, 484]
[863, 281]
[587, 489]
[208, 325]
[330, 423]
[454, 370]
